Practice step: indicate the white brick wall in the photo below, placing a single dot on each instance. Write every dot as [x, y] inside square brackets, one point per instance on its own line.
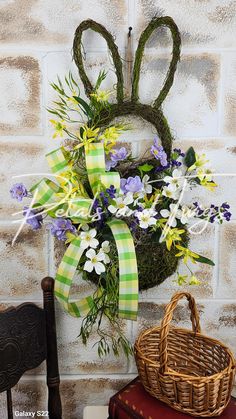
[36, 40]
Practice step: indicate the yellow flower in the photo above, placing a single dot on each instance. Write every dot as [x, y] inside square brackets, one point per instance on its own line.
[200, 161]
[59, 127]
[205, 177]
[173, 235]
[101, 95]
[187, 253]
[89, 135]
[110, 136]
[194, 280]
[181, 279]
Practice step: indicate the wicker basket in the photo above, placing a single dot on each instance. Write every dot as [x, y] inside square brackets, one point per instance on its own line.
[190, 372]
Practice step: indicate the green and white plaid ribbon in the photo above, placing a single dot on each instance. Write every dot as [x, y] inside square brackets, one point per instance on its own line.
[128, 273]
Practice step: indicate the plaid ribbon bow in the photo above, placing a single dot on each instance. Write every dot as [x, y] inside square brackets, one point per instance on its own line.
[48, 194]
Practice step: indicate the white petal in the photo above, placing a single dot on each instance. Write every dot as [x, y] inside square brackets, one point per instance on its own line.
[143, 224]
[99, 268]
[90, 253]
[84, 244]
[93, 232]
[112, 209]
[94, 243]
[85, 227]
[88, 266]
[101, 255]
[145, 178]
[172, 222]
[83, 235]
[177, 173]
[184, 219]
[129, 212]
[172, 187]
[106, 246]
[107, 259]
[168, 179]
[152, 221]
[165, 213]
[148, 188]
[128, 199]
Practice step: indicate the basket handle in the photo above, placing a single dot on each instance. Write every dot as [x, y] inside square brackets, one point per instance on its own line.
[165, 324]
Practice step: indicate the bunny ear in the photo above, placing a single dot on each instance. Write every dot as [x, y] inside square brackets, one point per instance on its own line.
[77, 53]
[154, 24]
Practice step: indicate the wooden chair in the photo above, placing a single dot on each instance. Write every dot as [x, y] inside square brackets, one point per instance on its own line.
[27, 338]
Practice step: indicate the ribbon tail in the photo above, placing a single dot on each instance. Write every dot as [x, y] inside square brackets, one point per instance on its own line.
[64, 279]
[128, 271]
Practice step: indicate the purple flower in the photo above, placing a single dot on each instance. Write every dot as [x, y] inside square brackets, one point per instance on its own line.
[176, 163]
[104, 199]
[33, 218]
[119, 154]
[18, 191]
[159, 153]
[116, 156]
[225, 205]
[162, 168]
[60, 226]
[132, 184]
[198, 208]
[95, 204]
[225, 210]
[227, 215]
[111, 191]
[110, 164]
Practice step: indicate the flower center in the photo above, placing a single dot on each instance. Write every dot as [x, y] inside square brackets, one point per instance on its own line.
[121, 205]
[94, 260]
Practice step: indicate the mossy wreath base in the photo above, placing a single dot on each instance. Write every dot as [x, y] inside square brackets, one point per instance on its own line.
[155, 264]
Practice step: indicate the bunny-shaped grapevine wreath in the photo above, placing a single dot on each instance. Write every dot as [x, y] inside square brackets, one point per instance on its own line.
[122, 219]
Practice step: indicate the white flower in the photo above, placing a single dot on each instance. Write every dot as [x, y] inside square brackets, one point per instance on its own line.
[121, 209]
[183, 214]
[146, 218]
[106, 246]
[105, 249]
[85, 227]
[146, 186]
[88, 239]
[175, 181]
[170, 193]
[94, 262]
[186, 214]
[146, 189]
[172, 214]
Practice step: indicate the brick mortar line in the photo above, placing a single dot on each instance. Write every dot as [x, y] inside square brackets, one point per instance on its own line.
[221, 95]
[147, 300]
[66, 377]
[180, 138]
[216, 277]
[12, 48]
[43, 137]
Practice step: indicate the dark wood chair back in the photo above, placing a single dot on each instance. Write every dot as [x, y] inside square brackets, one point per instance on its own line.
[27, 338]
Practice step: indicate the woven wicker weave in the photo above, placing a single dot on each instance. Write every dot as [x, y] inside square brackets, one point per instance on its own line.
[190, 372]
